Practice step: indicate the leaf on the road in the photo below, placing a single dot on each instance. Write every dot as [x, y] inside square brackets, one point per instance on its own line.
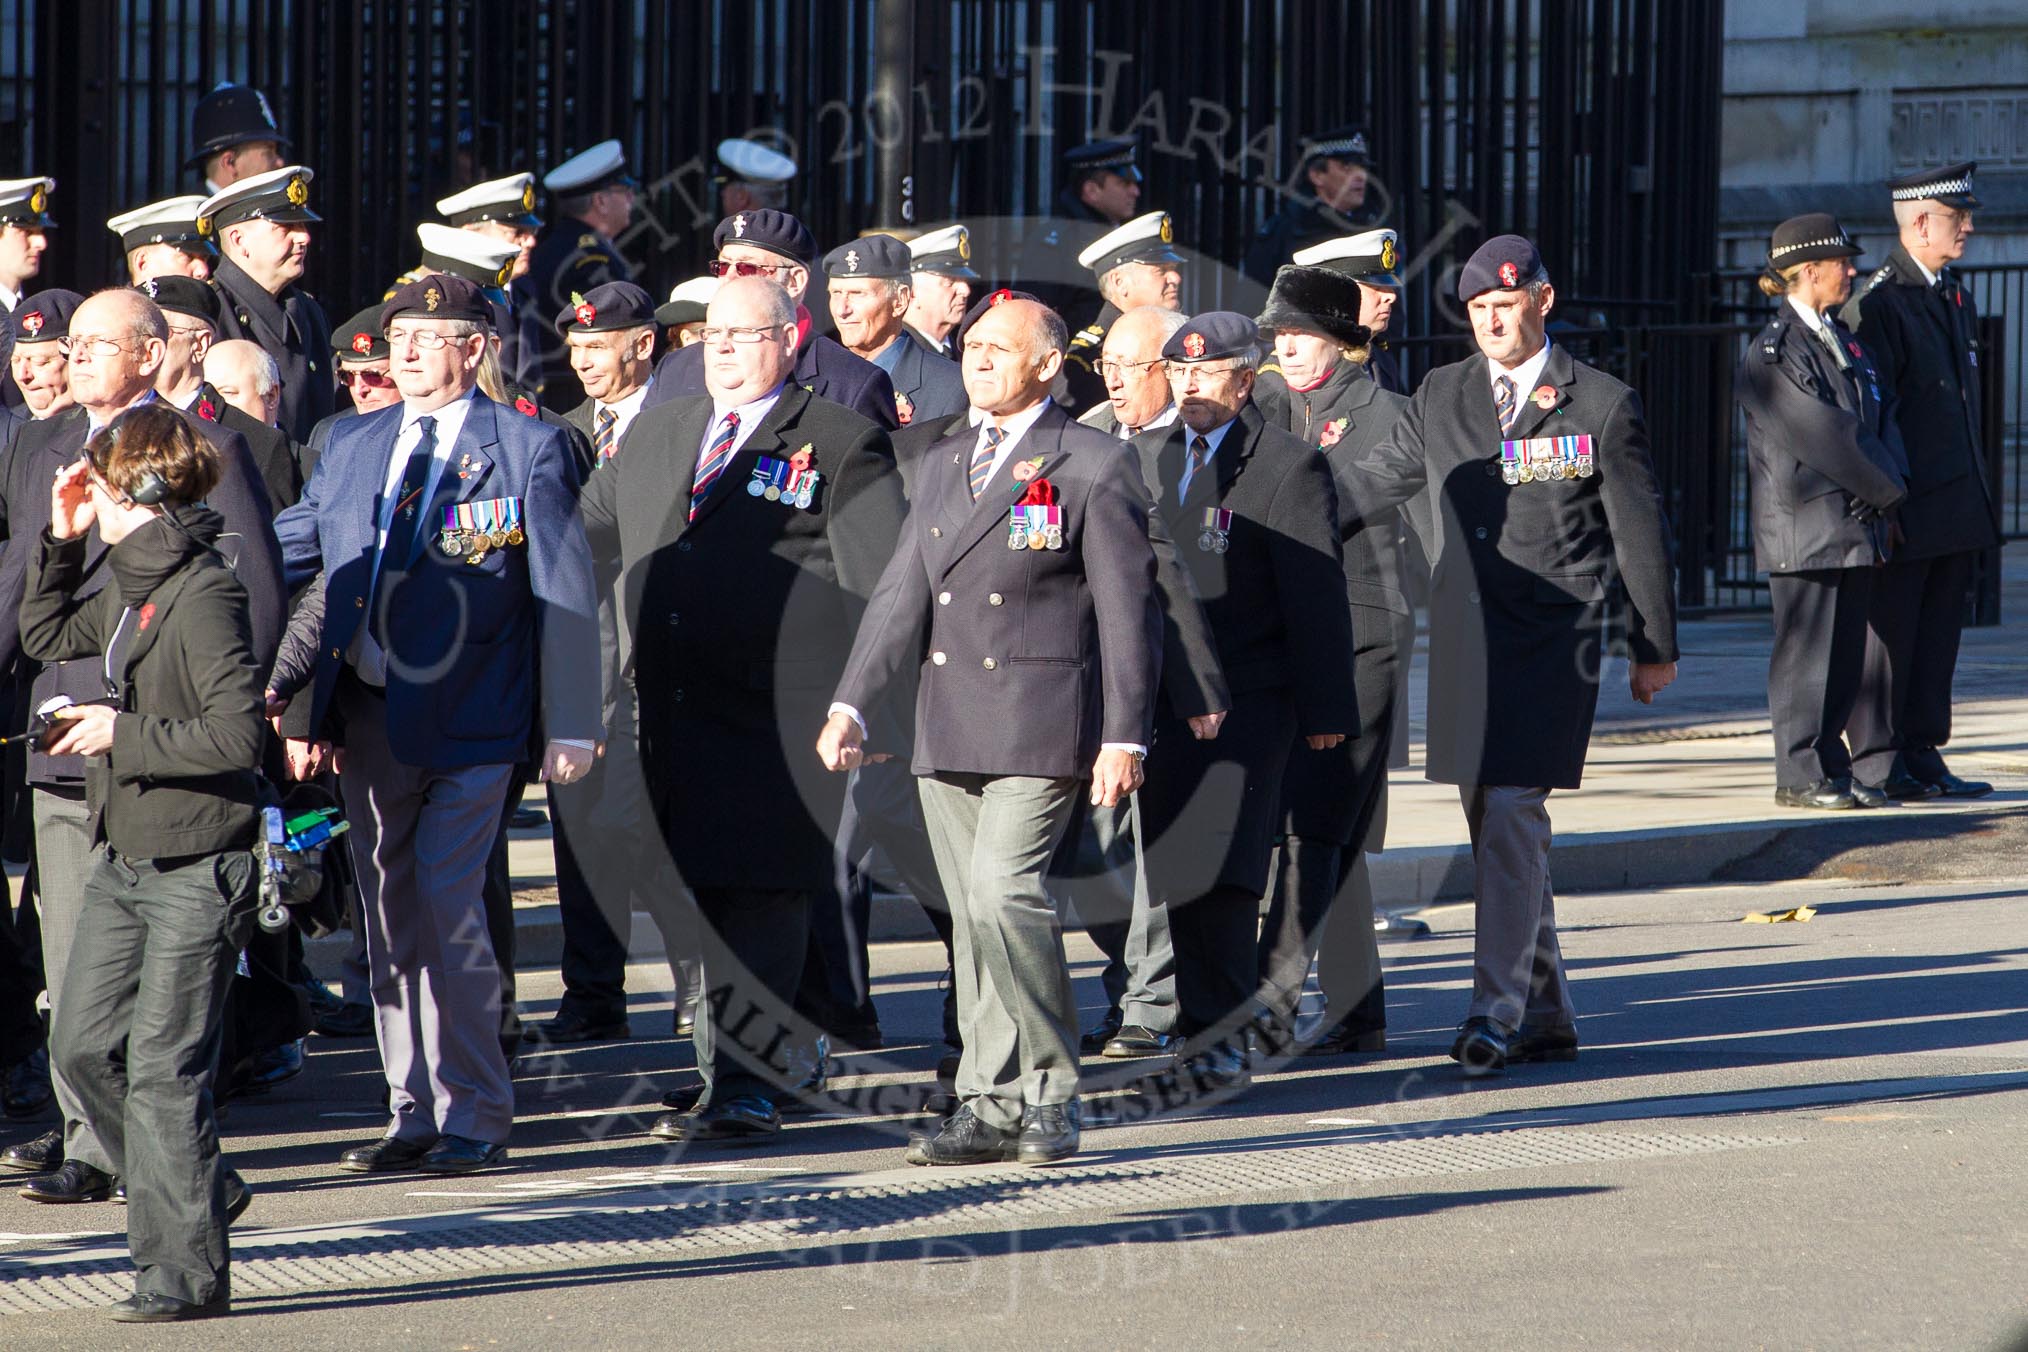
[1800, 913]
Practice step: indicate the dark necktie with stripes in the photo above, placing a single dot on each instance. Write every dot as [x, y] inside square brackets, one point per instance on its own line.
[982, 461]
[1504, 403]
[602, 435]
[714, 462]
[1200, 455]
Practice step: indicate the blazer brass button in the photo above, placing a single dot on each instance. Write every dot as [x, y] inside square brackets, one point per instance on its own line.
[943, 598]
[991, 665]
[936, 532]
[938, 658]
[996, 600]
[359, 602]
[1480, 533]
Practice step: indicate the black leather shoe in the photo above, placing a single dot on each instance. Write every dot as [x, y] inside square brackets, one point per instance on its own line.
[1219, 1068]
[744, 1117]
[238, 1196]
[1542, 1042]
[859, 1037]
[1864, 794]
[38, 1156]
[684, 1099]
[76, 1181]
[461, 1155]
[323, 1000]
[167, 1310]
[1343, 1038]
[1481, 1047]
[1906, 788]
[26, 1091]
[388, 1155]
[350, 1019]
[1950, 786]
[1048, 1133]
[965, 1140]
[1095, 1038]
[1133, 1040]
[1824, 795]
[1399, 926]
[569, 1026]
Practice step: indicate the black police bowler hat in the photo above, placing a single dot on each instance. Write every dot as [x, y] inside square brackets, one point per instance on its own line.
[231, 115]
[1807, 238]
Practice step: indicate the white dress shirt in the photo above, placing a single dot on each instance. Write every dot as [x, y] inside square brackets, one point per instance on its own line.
[1816, 324]
[624, 411]
[368, 659]
[1526, 376]
[750, 413]
[10, 298]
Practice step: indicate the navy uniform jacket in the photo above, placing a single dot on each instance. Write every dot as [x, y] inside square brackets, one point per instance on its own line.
[569, 256]
[292, 329]
[484, 660]
[927, 386]
[1301, 222]
[740, 622]
[1820, 438]
[1046, 263]
[47, 446]
[278, 458]
[823, 367]
[1030, 658]
[1521, 573]
[1923, 339]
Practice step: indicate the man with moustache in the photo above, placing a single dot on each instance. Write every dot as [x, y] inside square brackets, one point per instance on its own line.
[1036, 702]
[749, 526]
[261, 225]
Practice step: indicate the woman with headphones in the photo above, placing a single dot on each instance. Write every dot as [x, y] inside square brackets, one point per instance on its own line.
[174, 791]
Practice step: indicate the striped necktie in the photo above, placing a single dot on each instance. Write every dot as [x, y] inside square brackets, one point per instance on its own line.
[602, 436]
[714, 462]
[1503, 402]
[982, 461]
[1200, 455]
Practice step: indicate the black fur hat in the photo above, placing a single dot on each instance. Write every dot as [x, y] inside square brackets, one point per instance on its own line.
[1321, 300]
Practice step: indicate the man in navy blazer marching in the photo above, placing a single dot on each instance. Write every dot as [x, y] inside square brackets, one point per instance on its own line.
[458, 611]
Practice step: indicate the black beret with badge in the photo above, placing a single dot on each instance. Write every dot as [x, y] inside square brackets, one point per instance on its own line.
[877, 256]
[1502, 263]
[1213, 336]
[1950, 185]
[981, 305]
[362, 338]
[231, 115]
[438, 296]
[177, 294]
[45, 316]
[605, 308]
[776, 231]
[280, 195]
[1316, 300]
[1808, 238]
[25, 202]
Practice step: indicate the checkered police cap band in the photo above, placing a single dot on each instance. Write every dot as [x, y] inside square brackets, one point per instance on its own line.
[1941, 187]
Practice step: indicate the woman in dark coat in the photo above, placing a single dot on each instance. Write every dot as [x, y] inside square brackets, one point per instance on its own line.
[173, 789]
[1827, 470]
[1335, 802]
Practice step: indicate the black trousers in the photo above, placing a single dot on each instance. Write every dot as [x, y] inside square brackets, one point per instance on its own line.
[150, 973]
[498, 894]
[1813, 671]
[747, 1031]
[1214, 933]
[1913, 627]
[20, 981]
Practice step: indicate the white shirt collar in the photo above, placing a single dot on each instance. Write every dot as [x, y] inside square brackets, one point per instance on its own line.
[1162, 419]
[623, 410]
[1526, 376]
[1813, 320]
[1012, 429]
[1928, 277]
[450, 421]
[751, 412]
[10, 298]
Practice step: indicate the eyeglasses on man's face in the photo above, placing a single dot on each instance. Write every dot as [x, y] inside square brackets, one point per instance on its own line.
[744, 334]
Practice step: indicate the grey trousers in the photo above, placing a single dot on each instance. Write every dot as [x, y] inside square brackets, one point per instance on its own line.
[1517, 965]
[139, 1042]
[420, 839]
[993, 837]
[1109, 892]
[64, 858]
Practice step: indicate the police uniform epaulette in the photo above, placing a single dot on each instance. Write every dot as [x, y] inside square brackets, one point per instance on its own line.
[1772, 338]
[1091, 333]
[1275, 367]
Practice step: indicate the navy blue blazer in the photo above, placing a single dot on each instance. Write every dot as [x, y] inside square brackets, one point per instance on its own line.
[823, 367]
[927, 385]
[474, 651]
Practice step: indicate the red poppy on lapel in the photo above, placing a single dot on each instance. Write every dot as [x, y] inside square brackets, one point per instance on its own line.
[523, 404]
[147, 614]
[1333, 430]
[1544, 396]
[207, 411]
[904, 408]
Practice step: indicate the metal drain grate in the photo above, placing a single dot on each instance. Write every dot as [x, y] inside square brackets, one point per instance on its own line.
[544, 1234]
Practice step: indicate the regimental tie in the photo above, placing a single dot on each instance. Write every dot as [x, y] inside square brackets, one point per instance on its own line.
[1504, 403]
[602, 435]
[714, 462]
[415, 477]
[982, 461]
[1200, 456]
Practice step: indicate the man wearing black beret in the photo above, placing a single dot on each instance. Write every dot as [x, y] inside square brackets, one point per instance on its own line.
[1546, 492]
[1918, 320]
[869, 285]
[1254, 515]
[777, 246]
